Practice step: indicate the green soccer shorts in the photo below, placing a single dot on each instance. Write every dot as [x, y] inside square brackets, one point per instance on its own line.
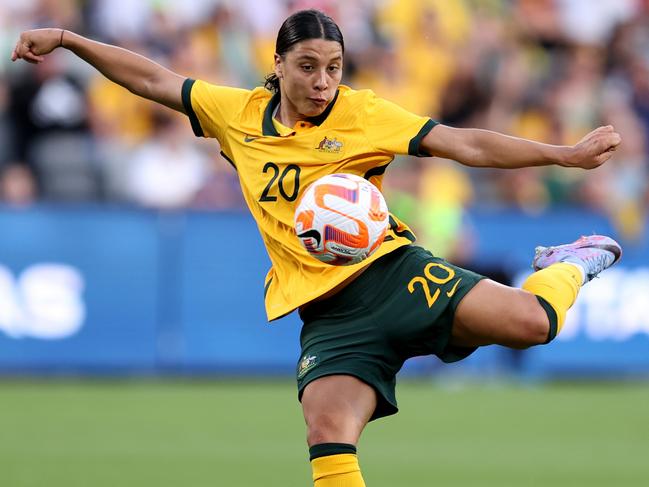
[402, 306]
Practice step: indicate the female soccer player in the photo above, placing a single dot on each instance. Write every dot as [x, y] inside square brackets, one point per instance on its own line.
[360, 322]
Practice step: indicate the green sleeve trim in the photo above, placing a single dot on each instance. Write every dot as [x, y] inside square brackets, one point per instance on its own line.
[229, 160]
[376, 171]
[189, 110]
[413, 146]
[267, 286]
[401, 233]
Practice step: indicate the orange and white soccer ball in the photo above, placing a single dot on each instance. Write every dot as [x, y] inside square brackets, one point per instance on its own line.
[341, 219]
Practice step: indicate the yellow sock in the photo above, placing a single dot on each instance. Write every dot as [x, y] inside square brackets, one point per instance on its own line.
[558, 285]
[340, 470]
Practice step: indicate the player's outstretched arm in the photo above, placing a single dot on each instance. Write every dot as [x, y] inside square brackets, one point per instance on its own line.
[483, 148]
[128, 69]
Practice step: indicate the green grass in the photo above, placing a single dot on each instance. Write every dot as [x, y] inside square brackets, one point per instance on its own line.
[221, 433]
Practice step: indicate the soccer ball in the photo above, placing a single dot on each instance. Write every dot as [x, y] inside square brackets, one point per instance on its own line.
[341, 219]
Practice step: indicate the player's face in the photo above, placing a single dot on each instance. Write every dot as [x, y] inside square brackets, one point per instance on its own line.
[309, 76]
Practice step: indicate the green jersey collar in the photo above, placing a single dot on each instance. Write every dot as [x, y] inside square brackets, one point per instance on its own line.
[267, 126]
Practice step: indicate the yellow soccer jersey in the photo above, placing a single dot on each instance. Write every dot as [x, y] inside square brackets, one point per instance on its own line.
[358, 133]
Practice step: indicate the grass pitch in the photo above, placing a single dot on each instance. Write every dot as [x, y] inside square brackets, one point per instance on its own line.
[251, 433]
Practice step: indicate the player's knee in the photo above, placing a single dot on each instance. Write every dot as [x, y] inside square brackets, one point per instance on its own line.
[533, 328]
[326, 428]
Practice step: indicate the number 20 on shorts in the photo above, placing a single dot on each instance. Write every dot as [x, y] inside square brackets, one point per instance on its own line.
[430, 278]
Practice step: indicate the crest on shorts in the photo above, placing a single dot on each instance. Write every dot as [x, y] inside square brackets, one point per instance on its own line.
[329, 145]
[306, 364]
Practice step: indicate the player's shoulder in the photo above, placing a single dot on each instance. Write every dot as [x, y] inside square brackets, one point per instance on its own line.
[242, 95]
[254, 107]
[247, 102]
[353, 105]
[260, 95]
[354, 97]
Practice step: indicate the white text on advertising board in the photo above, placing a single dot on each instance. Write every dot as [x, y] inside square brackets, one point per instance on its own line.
[44, 301]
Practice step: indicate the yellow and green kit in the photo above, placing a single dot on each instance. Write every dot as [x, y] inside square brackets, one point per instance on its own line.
[359, 133]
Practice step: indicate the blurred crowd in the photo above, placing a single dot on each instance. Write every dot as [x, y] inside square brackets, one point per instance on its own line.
[549, 70]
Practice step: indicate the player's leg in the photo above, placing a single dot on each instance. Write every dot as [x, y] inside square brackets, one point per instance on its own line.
[336, 409]
[519, 318]
[493, 313]
[352, 346]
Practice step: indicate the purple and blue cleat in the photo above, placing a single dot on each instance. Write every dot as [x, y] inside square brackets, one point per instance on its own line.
[593, 253]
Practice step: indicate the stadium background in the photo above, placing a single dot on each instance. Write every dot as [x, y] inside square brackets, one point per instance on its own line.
[133, 344]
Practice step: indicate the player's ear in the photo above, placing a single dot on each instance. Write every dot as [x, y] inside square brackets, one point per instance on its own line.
[278, 66]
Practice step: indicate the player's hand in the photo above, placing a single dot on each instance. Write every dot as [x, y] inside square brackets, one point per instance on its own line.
[595, 148]
[34, 44]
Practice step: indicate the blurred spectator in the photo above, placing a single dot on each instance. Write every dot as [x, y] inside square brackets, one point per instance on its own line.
[592, 23]
[17, 185]
[445, 193]
[119, 20]
[115, 115]
[167, 170]
[221, 190]
[48, 116]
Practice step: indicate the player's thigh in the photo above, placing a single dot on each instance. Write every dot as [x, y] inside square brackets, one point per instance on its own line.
[337, 408]
[494, 313]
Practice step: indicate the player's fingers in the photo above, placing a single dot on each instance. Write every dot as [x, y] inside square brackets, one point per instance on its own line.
[596, 133]
[599, 131]
[16, 51]
[603, 157]
[32, 58]
[608, 142]
[615, 139]
[21, 49]
[604, 141]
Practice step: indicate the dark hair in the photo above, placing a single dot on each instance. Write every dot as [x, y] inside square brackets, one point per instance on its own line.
[303, 25]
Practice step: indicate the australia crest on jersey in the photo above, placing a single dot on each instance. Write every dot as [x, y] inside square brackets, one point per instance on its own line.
[329, 145]
[306, 364]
